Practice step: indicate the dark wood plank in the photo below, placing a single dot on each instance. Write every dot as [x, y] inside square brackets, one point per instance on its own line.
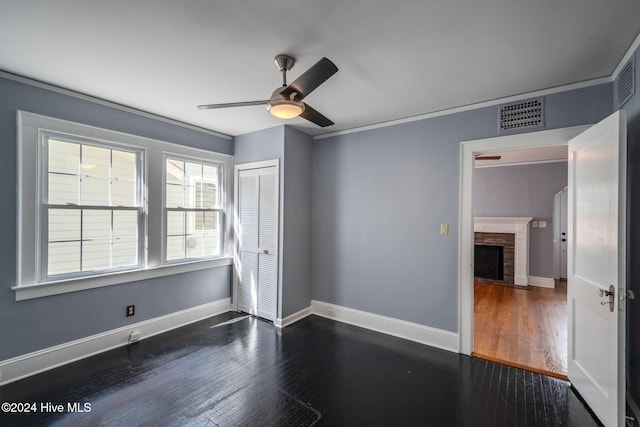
[316, 372]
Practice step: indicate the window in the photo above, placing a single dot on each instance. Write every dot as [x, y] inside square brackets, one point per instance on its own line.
[193, 211]
[91, 209]
[98, 207]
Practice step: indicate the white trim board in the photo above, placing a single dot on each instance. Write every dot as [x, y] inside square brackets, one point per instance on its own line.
[542, 282]
[293, 318]
[42, 360]
[433, 337]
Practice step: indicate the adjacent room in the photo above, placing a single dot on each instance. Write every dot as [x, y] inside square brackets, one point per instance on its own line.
[328, 213]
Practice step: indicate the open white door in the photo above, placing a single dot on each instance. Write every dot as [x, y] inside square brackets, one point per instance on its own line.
[596, 264]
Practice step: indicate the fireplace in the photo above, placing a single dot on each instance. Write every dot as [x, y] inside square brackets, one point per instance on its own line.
[513, 234]
[491, 249]
[488, 262]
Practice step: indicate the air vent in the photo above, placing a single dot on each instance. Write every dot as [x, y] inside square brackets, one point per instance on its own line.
[625, 83]
[522, 115]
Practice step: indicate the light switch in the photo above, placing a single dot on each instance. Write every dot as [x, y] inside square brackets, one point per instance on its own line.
[444, 229]
[542, 224]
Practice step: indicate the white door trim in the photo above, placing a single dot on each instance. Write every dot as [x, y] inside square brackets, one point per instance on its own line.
[236, 187]
[468, 149]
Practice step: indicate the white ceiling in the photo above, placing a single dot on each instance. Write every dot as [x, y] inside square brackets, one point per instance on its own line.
[397, 59]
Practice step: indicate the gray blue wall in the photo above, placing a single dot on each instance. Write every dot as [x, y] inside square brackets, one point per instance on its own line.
[293, 149]
[632, 108]
[379, 197]
[525, 190]
[26, 326]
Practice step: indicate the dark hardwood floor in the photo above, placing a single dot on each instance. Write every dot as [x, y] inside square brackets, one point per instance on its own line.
[316, 372]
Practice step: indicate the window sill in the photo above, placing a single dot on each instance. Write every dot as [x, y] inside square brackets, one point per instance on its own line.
[25, 292]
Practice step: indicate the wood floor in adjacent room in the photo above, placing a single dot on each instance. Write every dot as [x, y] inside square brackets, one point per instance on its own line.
[523, 327]
[241, 371]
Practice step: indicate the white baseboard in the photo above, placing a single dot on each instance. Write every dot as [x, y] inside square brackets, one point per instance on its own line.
[292, 318]
[42, 360]
[543, 282]
[388, 325]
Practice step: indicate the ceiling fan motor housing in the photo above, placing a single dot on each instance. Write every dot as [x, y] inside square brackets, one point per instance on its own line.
[284, 107]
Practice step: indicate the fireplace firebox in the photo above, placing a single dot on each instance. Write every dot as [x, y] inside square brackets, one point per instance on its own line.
[489, 262]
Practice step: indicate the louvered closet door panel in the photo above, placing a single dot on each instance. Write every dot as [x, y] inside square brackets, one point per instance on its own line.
[268, 222]
[247, 291]
[268, 245]
[267, 286]
[248, 241]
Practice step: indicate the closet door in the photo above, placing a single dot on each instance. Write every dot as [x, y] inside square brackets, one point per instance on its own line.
[268, 244]
[257, 232]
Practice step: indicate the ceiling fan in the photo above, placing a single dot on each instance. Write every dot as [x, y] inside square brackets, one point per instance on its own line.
[286, 101]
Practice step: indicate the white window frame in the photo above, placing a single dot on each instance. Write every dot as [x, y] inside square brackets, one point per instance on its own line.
[30, 129]
[221, 200]
[43, 204]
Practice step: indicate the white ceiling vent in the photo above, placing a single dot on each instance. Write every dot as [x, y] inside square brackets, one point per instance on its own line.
[625, 83]
[522, 115]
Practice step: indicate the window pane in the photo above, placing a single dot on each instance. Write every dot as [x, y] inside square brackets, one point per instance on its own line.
[95, 191]
[63, 189]
[123, 166]
[175, 248]
[95, 161]
[174, 196]
[96, 224]
[123, 193]
[209, 194]
[175, 172]
[192, 173]
[125, 224]
[211, 244]
[175, 223]
[64, 225]
[96, 255]
[125, 252]
[64, 157]
[194, 245]
[63, 258]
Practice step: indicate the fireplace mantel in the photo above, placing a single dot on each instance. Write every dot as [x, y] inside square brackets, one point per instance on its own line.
[514, 225]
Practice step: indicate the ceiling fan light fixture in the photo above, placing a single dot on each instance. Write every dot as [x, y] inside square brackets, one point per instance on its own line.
[285, 108]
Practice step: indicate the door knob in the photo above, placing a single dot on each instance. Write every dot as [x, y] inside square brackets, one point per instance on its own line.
[611, 293]
[266, 252]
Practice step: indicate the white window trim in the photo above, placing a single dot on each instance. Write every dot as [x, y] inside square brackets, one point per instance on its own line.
[29, 127]
[222, 182]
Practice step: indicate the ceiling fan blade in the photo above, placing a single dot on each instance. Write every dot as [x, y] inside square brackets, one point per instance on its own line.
[314, 117]
[312, 78]
[488, 157]
[232, 104]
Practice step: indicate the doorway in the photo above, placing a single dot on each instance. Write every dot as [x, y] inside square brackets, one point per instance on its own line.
[469, 150]
[523, 326]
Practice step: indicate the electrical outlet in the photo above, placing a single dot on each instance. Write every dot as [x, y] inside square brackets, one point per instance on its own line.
[131, 310]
